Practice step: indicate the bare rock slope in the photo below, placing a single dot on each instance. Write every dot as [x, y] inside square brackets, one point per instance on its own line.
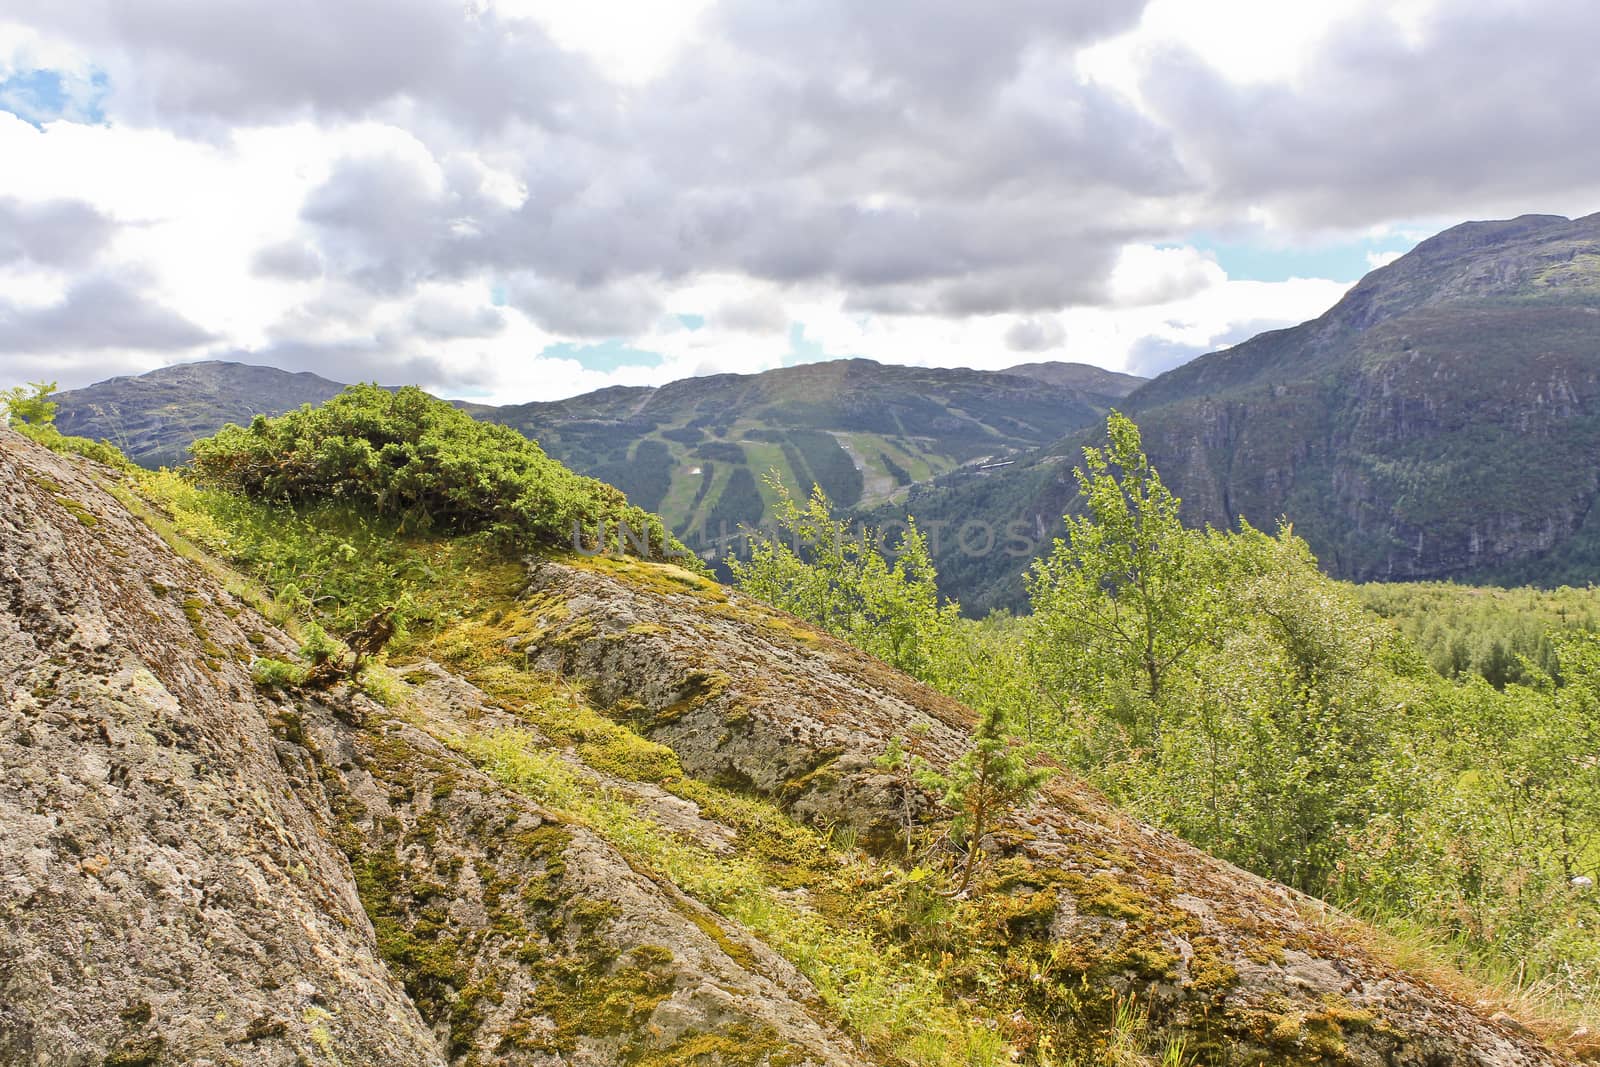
[195, 872]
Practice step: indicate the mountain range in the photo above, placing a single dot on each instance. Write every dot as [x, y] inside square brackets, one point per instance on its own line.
[1440, 421]
[698, 450]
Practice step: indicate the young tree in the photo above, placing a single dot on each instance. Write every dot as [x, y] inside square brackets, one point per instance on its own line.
[30, 403]
[1124, 596]
[1284, 730]
[994, 776]
[842, 581]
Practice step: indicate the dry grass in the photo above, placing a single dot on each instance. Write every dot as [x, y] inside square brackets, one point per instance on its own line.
[1422, 953]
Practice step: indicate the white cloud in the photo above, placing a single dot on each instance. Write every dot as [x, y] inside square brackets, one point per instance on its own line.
[915, 181]
[632, 41]
[1146, 275]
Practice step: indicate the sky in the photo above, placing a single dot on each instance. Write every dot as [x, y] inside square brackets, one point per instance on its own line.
[513, 200]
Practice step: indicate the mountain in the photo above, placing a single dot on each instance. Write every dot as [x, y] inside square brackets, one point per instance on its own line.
[696, 451]
[153, 417]
[1442, 420]
[604, 812]
[1090, 379]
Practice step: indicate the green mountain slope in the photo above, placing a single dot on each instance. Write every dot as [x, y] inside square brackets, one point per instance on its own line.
[1441, 420]
[697, 450]
[579, 810]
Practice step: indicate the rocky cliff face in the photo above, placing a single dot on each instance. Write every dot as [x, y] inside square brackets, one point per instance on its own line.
[197, 870]
[1441, 421]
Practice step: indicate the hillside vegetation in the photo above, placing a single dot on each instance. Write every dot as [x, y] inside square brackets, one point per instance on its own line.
[1218, 684]
[421, 463]
[461, 795]
[1502, 635]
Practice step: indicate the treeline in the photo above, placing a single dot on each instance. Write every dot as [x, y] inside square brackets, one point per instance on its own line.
[1217, 683]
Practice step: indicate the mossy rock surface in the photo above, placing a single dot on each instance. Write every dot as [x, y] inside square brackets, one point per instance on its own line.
[1087, 907]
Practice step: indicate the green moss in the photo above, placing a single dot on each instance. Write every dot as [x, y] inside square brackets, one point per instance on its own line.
[1102, 894]
[276, 673]
[735, 1046]
[383, 685]
[1210, 973]
[712, 929]
[1263, 950]
[137, 1051]
[194, 610]
[561, 714]
[779, 624]
[647, 629]
[584, 997]
[664, 578]
[699, 689]
[78, 511]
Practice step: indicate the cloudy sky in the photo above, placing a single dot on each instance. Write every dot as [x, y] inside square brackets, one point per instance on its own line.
[527, 199]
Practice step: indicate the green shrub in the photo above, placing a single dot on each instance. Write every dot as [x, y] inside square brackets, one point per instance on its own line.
[30, 404]
[267, 673]
[422, 462]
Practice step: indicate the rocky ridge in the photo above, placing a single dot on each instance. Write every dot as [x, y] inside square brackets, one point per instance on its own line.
[799, 717]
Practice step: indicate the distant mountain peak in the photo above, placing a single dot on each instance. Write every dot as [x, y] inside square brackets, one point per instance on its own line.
[1084, 376]
[154, 416]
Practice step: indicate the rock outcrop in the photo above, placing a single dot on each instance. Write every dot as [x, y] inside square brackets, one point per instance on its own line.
[748, 696]
[196, 871]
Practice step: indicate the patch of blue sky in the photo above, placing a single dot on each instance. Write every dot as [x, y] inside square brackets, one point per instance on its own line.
[1342, 261]
[692, 321]
[41, 96]
[607, 355]
[803, 349]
